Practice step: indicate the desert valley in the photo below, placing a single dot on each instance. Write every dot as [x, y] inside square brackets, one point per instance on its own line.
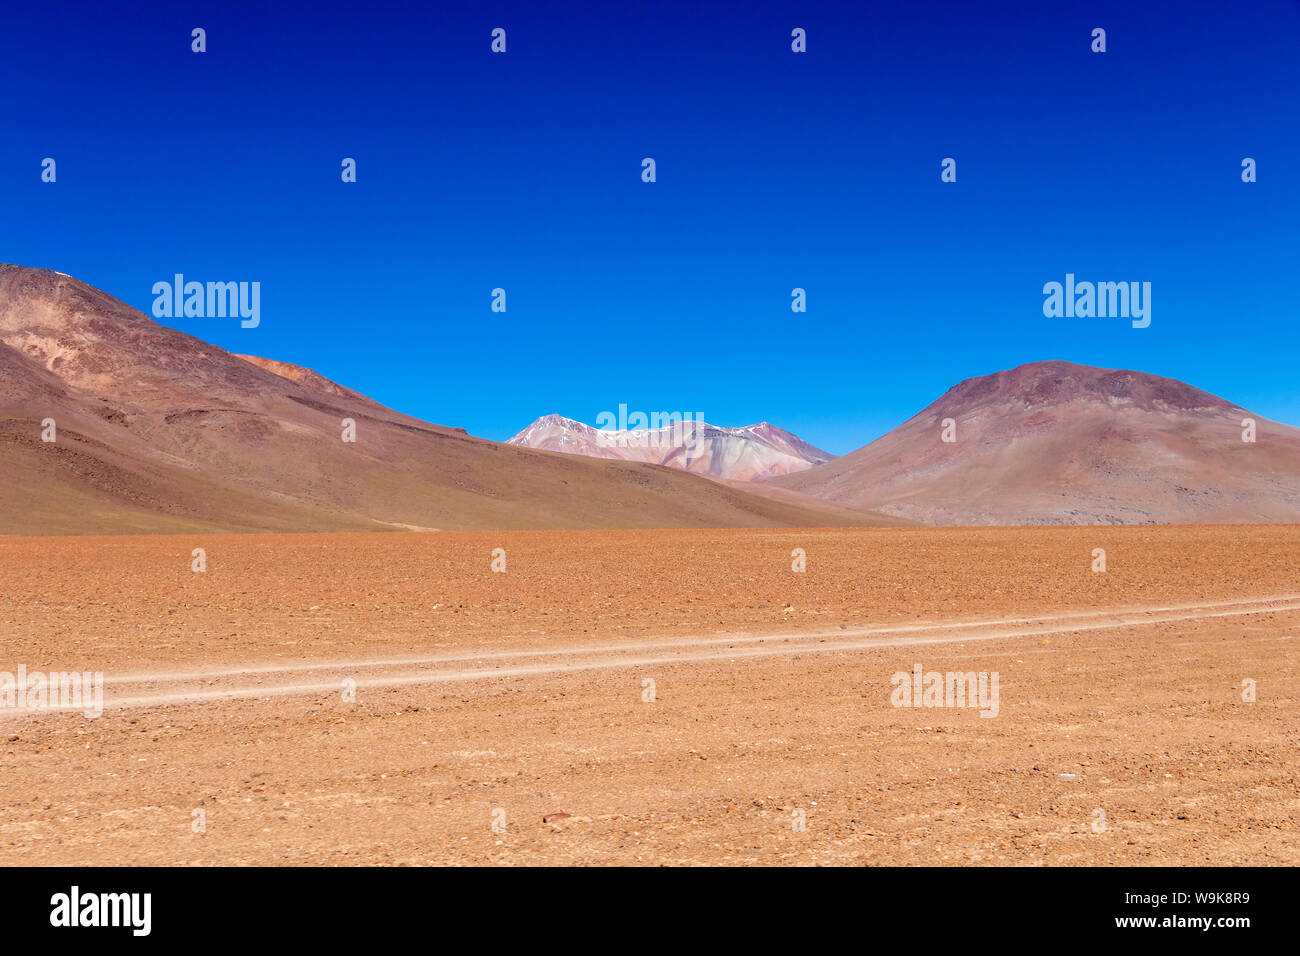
[420, 646]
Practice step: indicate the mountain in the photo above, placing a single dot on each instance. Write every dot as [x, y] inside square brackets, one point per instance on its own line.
[1057, 443]
[158, 431]
[748, 453]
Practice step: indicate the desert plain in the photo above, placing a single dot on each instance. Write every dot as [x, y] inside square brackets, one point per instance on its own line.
[666, 697]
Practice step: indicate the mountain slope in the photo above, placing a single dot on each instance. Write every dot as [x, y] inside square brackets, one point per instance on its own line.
[747, 453]
[1058, 443]
[159, 431]
[305, 377]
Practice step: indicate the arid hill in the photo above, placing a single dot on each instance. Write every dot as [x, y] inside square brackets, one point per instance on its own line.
[159, 431]
[1058, 443]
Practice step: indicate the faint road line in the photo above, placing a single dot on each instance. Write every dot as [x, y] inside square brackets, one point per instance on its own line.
[154, 689]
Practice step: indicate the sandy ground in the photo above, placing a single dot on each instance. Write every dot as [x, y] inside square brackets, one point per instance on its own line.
[388, 698]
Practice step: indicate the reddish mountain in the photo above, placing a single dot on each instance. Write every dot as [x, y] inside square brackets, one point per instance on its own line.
[159, 431]
[1057, 443]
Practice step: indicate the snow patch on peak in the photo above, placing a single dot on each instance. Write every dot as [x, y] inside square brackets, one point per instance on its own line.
[746, 452]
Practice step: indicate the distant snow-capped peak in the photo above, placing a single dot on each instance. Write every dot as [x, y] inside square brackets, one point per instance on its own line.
[748, 452]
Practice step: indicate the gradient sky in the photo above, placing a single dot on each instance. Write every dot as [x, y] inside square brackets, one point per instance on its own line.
[775, 170]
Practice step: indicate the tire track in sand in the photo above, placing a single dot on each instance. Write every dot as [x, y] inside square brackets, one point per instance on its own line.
[165, 688]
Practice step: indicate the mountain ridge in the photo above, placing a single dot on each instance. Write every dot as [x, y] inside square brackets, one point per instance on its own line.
[156, 430]
[1054, 442]
[744, 453]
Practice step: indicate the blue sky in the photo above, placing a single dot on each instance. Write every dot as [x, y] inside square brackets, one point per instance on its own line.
[775, 170]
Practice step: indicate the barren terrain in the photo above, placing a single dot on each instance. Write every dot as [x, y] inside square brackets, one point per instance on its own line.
[157, 431]
[521, 694]
[1052, 443]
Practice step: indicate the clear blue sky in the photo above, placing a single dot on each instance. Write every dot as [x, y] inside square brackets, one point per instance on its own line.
[775, 170]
